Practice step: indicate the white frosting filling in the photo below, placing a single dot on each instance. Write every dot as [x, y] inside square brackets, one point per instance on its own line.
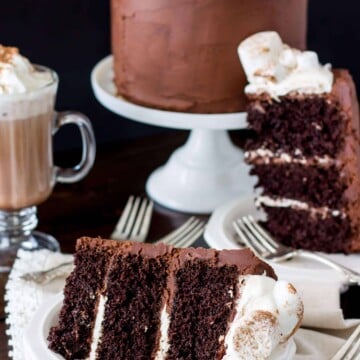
[97, 332]
[267, 313]
[273, 67]
[164, 339]
[17, 75]
[265, 156]
[296, 204]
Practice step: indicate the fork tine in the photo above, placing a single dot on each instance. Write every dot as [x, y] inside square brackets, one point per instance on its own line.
[142, 223]
[260, 234]
[174, 234]
[237, 226]
[354, 352]
[350, 348]
[253, 239]
[186, 234]
[263, 232]
[132, 216]
[134, 222]
[120, 226]
[247, 237]
[185, 231]
[190, 237]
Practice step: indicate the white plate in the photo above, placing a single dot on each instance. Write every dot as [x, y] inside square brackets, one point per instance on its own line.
[35, 336]
[220, 234]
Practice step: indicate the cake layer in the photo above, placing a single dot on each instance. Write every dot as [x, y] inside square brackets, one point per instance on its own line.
[306, 230]
[197, 307]
[181, 55]
[134, 298]
[317, 185]
[314, 124]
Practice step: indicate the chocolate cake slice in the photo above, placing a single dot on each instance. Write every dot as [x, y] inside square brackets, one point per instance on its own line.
[305, 151]
[158, 302]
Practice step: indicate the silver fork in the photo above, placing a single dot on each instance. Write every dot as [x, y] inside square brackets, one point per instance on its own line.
[351, 349]
[266, 247]
[186, 234]
[134, 222]
[183, 236]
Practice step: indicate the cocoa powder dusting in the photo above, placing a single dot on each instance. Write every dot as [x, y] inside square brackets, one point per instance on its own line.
[7, 52]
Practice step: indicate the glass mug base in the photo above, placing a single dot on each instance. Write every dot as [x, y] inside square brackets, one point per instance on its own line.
[17, 232]
[36, 241]
[39, 240]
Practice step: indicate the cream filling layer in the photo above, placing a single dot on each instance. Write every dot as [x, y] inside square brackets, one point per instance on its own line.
[97, 332]
[296, 204]
[266, 156]
[164, 338]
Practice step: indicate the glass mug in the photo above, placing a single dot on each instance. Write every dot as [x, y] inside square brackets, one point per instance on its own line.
[28, 122]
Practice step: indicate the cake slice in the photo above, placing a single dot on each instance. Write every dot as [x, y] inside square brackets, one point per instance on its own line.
[158, 302]
[305, 151]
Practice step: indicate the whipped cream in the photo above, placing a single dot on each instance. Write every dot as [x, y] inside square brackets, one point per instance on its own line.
[18, 75]
[273, 67]
[267, 314]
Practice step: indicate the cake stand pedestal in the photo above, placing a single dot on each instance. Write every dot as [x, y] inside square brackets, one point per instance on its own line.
[207, 171]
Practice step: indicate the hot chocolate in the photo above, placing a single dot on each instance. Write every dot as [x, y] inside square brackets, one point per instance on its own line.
[27, 97]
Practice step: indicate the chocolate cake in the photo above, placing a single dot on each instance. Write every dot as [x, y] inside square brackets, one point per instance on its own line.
[305, 151]
[181, 55]
[127, 300]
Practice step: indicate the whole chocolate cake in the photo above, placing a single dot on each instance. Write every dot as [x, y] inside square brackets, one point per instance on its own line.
[306, 151]
[181, 55]
[127, 300]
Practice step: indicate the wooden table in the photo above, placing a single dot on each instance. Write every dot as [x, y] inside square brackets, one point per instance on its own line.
[93, 206]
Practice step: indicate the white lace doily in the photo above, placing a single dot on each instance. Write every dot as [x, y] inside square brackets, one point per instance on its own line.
[24, 298]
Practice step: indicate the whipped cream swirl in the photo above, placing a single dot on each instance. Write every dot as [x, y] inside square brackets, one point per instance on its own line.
[273, 67]
[18, 75]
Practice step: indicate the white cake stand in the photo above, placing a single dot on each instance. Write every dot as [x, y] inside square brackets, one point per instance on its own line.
[202, 174]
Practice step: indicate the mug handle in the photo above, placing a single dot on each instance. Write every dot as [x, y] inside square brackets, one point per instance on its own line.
[78, 172]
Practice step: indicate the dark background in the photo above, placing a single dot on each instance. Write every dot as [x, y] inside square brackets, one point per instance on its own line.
[71, 36]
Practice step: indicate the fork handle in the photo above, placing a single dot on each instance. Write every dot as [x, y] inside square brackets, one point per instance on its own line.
[352, 276]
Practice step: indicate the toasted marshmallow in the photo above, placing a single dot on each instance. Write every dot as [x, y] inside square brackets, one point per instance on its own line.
[273, 67]
[267, 314]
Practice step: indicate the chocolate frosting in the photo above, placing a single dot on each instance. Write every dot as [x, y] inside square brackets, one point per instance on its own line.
[244, 259]
[182, 55]
[345, 93]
